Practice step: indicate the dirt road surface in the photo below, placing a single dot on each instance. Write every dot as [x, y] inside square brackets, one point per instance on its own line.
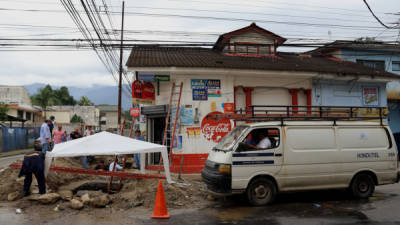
[322, 207]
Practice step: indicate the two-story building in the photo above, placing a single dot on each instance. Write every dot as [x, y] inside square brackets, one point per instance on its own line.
[374, 54]
[19, 105]
[243, 68]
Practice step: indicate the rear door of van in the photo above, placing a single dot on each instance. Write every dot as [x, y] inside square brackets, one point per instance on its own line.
[367, 148]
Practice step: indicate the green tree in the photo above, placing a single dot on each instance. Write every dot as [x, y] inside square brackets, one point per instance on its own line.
[43, 98]
[63, 97]
[47, 97]
[85, 101]
[77, 119]
[3, 112]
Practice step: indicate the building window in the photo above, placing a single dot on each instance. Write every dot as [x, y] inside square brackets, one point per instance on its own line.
[250, 49]
[28, 115]
[396, 65]
[376, 64]
[20, 114]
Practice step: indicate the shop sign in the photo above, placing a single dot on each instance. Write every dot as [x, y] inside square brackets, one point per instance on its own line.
[134, 112]
[213, 86]
[187, 115]
[143, 93]
[198, 83]
[229, 108]
[370, 96]
[146, 77]
[193, 131]
[162, 78]
[199, 94]
[177, 142]
[215, 130]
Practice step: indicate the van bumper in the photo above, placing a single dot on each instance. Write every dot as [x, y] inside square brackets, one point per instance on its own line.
[217, 184]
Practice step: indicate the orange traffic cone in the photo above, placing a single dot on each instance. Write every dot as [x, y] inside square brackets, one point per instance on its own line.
[160, 206]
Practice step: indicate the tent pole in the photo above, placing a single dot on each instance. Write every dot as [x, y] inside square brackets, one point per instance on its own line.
[125, 156]
[111, 178]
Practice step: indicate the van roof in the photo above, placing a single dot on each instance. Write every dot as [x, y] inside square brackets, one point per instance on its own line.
[316, 123]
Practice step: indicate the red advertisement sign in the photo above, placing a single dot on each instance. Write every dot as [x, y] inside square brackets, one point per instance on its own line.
[137, 89]
[229, 107]
[215, 130]
[143, 93]
[149, 92]
[134, 112]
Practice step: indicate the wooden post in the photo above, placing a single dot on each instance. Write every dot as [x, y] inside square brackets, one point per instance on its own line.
[111, 178]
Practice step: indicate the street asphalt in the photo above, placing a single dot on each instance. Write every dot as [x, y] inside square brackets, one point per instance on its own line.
[308, 208]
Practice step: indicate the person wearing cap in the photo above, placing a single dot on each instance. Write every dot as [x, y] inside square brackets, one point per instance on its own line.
[45, 136]
[51, 126]
[33, 164]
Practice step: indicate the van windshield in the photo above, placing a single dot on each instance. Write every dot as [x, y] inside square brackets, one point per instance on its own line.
[230, 139]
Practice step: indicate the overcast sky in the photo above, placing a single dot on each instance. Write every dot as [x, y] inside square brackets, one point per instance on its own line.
[299, 21]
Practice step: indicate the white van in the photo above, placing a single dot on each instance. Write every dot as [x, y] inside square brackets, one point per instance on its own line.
[302, 155]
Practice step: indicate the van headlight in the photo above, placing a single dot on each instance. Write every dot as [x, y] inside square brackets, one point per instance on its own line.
[225, 169]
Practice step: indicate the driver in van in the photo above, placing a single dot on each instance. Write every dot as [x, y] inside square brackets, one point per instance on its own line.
[264, 142]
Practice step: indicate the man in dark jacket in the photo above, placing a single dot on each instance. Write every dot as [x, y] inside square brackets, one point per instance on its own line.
[33, 164]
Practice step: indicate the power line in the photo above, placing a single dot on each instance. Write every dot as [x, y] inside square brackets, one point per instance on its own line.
[377, 19]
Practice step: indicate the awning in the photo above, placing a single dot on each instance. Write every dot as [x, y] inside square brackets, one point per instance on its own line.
[106, 143]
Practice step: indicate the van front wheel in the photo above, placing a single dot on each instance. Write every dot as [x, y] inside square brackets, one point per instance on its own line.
[261, 191]
[363, 186]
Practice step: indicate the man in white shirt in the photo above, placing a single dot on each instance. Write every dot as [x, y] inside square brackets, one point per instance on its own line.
[264, 142]
[117, 167]
[45, 136]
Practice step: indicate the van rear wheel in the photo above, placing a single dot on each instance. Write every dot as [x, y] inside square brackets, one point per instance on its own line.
[363, 186]
[261, 191]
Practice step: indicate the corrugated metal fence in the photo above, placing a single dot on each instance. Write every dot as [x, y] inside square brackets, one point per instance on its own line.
[18, 138]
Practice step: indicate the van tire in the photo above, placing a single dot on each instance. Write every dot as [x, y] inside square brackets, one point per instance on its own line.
[261, 191]
[363, 186]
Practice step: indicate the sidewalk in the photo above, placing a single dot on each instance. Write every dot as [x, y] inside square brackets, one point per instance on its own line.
[15, 152]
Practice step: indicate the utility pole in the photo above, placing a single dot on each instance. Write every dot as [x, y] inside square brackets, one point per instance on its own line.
[120, 67]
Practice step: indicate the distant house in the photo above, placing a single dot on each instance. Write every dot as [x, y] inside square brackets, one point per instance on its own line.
[20, 108]
[243, 68]
[374, 54]
[377, 55]
[64, 114]
[108, 117]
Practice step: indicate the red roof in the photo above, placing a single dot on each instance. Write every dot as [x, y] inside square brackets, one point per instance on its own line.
[224, 38]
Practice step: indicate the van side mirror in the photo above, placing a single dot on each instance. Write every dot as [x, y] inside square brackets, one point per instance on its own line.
[242, 147]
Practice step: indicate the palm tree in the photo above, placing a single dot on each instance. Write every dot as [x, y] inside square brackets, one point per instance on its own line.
[43, 98]
[85, 101]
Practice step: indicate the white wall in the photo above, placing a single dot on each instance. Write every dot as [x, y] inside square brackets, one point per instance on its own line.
[267, 90]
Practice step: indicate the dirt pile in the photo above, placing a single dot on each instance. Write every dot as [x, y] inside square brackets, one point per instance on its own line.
[142, 192]
[10, 183]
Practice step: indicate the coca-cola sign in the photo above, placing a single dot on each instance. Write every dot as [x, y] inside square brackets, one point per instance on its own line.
[215, 130]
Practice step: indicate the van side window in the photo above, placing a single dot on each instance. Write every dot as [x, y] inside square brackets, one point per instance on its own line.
[262, 138]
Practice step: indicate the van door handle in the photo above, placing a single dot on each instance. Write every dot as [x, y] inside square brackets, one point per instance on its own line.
[278, 154]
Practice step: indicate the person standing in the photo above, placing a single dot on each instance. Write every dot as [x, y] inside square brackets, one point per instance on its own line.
[33, 164]
[136, 156]
[45, 136]
[58, 135]
[89, 131]
[75, 134]
[51, 125]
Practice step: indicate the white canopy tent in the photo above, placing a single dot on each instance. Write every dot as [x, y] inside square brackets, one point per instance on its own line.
[105, 143]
